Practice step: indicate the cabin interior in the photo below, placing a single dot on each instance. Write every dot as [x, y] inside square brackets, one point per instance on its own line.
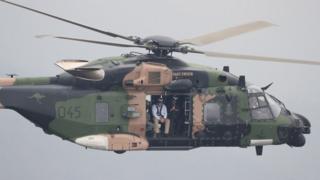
[179, 109]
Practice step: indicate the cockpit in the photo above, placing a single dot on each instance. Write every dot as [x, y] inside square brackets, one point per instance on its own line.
[262, 105]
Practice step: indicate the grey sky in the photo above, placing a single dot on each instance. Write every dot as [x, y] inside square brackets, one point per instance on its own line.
[27, 153]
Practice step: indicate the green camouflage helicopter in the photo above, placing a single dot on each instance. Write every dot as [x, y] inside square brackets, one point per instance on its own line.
[113, 103]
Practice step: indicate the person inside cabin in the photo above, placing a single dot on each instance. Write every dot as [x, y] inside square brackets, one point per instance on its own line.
[174, 114]
[160, 115]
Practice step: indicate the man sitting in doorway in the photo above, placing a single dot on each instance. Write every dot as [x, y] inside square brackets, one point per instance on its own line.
[160, 113]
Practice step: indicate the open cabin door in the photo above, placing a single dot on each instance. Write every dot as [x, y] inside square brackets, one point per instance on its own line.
[179, 109]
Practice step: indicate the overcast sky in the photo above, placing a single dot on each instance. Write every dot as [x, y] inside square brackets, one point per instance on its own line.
[27, 153]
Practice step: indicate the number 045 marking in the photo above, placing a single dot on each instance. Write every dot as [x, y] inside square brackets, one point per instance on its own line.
[72, 112]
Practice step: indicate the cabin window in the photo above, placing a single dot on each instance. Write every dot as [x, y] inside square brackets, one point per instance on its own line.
[102, 112]
[212, 113]
[154, 78]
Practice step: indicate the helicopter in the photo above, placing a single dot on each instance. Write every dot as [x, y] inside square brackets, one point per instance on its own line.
[112, 103]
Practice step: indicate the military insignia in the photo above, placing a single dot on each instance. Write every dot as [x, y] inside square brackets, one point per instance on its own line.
[38, 97]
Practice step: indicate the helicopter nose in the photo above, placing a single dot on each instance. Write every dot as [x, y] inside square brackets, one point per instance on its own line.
[306, 125]
[300, 126]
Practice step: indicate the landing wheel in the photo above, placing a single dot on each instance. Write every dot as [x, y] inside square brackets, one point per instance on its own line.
[119, 152]
[259, 150]
[297, 140]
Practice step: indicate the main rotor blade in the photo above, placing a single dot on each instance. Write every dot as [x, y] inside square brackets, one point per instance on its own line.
[258, 58]
[227, 33]
[93, 42]
[71, 22]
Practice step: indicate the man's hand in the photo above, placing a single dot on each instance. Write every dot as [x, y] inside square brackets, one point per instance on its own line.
[162, 120]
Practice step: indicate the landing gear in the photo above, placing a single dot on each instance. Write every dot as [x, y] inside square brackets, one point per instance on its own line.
[119, 152]
[259, 150]
[297, 140]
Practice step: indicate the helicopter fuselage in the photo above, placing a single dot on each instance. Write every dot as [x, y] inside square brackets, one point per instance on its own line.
[112, 110]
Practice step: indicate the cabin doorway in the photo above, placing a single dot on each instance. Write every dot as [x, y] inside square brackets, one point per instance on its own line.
[176, 108]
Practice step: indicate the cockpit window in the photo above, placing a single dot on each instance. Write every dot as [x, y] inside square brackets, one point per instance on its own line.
[262, 106]
[253, 102]
[259, 107]
[277, 101]
[262, 101]
[275, 107]
[261, 113]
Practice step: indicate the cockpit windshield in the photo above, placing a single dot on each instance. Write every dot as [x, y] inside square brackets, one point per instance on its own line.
[262, 105]
[275, 107]
[278, 101]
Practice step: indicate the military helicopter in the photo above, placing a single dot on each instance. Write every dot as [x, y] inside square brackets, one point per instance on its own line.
[108, 104]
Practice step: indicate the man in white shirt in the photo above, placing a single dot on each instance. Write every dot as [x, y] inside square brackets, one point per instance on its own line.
[160, 114]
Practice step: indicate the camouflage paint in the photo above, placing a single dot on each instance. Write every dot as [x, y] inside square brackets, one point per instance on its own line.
[67, 106]
[76, 117]
[32, 81]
